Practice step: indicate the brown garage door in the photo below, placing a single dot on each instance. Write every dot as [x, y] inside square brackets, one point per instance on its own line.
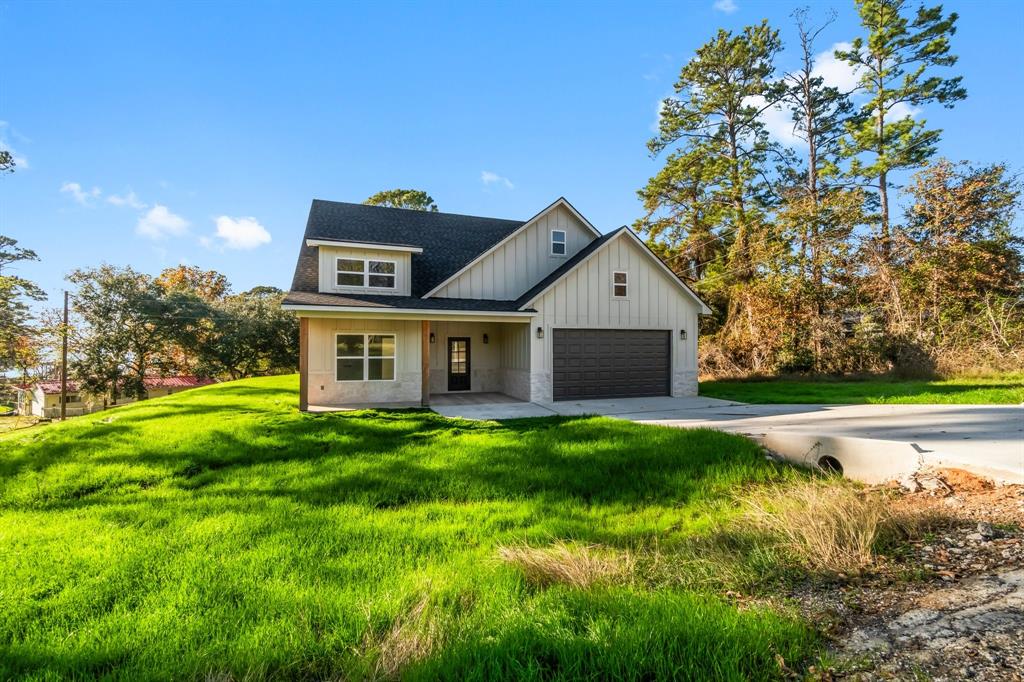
[610, 363]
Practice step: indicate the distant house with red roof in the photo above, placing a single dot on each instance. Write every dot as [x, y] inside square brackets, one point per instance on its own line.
[42, 398]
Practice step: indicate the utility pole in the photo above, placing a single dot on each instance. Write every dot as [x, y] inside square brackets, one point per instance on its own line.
[64, 362]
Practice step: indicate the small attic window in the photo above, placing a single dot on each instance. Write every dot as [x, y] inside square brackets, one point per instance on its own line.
[620, 284]
[557, 242]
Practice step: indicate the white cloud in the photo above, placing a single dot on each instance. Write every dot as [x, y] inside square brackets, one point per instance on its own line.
[727, 6]
[239, 233]
[130, 199]
[79, 194]
[659, 111]
[777, 120]
[902, 110]
[835, 72]
[160, 223]
[19, 159]
[489, 178]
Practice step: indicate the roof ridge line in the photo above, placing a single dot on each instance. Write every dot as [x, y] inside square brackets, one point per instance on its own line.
[416, 210]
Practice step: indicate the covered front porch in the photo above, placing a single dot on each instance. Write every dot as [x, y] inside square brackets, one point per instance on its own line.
[471, 361]
[373, 359]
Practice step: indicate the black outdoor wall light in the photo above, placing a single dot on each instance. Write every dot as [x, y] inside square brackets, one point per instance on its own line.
[682, 335]
[432, 337]
[540, 332]
[486, 339]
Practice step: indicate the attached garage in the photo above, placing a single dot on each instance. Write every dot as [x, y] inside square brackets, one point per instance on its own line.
[610, 363]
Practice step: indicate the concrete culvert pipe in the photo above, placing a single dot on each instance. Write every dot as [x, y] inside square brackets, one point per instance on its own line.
[868, 460]
[830, 465]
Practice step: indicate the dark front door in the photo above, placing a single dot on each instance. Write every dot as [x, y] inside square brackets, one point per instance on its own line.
[610, 363]
[458, 363]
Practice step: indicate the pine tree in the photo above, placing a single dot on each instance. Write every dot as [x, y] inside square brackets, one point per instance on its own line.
[715, 119]
[896, 62]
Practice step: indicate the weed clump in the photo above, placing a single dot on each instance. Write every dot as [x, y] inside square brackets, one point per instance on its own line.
[580, 566]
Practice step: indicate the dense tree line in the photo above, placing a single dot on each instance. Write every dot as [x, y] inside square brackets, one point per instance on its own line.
[128, 325]
[800, 250]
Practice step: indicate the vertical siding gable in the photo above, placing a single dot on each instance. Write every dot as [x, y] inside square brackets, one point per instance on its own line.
[584, 296]
[521, 262]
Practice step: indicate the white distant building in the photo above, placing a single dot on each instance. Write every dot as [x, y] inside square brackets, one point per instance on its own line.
[42, 399]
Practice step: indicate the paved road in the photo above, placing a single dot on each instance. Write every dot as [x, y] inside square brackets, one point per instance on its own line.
[988, 439]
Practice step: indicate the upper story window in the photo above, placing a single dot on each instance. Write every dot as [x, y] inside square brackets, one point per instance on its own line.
[620, 284]
[366, 272]
[557, 242]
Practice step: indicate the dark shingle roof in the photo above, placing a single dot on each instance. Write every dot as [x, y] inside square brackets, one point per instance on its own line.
[567, 266]
[386, 301]
[449, 241]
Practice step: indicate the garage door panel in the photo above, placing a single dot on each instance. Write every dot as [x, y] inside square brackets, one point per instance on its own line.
[610, 363]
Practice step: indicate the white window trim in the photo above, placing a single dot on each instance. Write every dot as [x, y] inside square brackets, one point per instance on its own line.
[564, 243]
[366, 356]
[620, 284]
[365, 273]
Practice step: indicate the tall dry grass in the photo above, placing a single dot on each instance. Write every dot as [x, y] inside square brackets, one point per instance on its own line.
[412, 637]
[831, 526]
[569, 564]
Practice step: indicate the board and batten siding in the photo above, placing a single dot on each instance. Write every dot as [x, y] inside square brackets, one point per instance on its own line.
[521, 262]
[325, 389]
[328, 269]
[583, 300]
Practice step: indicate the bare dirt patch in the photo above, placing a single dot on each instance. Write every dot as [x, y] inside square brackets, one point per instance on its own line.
[948, 605]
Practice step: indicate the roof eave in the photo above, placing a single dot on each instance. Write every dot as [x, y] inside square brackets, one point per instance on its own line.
[379, 246]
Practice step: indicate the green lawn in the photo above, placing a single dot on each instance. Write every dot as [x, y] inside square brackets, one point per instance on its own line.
[220, 534]
[16, 422]
[1008, 389]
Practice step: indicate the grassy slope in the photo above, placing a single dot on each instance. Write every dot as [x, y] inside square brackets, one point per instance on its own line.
[1008, 389]
[220, 531]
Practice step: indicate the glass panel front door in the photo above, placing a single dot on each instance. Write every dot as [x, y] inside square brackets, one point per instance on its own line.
[458, 364]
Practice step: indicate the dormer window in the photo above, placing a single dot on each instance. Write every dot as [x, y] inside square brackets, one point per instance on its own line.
[557, 242]
[365, 272]
[381, 274]
[351, 272]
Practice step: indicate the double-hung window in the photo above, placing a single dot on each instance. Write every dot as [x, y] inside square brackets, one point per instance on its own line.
[365, 357]
[366, 272]
[620, 284]
[557, 242]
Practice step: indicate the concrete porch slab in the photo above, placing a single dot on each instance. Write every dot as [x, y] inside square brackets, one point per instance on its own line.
[470, 398]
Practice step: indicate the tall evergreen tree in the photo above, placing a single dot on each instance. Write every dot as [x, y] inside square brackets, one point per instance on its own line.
[683, 214]
[897, 61]
[715, 175]
[816, 213]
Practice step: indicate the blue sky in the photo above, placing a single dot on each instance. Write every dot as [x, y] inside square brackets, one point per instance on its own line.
[151, 134]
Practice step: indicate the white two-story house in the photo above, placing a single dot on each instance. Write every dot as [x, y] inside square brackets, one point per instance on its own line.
[397, 306]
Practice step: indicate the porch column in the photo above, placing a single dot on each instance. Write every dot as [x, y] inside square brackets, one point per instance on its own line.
[425, 363]
[303, 364]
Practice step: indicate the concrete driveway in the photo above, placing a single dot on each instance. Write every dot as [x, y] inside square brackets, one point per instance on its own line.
[871, 442]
